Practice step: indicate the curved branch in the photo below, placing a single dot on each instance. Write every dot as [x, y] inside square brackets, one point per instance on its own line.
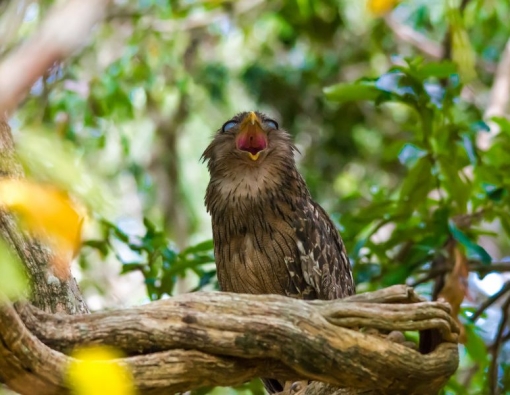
[210, 338]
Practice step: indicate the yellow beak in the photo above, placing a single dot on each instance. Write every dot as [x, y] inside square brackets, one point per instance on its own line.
[253, 118]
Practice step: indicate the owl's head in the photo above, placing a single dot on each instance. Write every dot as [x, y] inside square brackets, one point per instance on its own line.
[249, 139]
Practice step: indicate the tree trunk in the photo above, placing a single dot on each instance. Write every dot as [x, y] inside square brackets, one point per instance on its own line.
[48, 292]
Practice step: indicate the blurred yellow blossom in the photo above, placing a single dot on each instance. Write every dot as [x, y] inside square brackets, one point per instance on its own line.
[95, 372]
[46, 211]
[381, 7]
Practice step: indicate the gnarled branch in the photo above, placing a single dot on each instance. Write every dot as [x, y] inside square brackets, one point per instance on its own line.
[206, 339]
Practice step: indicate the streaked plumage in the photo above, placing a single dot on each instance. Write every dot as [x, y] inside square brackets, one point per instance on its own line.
[270, 237]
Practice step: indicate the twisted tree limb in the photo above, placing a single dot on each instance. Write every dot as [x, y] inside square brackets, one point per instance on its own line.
[205, 339]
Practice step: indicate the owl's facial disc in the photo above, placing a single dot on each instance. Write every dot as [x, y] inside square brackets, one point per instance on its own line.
[251, 137]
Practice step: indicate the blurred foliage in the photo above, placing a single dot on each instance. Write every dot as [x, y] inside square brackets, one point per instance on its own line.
[389, 139]
[437, 190]
[160, 263]
[13, 281]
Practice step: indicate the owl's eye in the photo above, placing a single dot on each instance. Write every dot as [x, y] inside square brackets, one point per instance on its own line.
[271, 123]
[228, 126]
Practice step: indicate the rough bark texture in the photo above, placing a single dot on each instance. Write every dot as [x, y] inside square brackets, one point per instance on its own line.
[47, 292]
[206, 339]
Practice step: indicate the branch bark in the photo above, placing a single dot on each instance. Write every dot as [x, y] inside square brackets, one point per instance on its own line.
[65, 30]
[206, 339]
[48, 292]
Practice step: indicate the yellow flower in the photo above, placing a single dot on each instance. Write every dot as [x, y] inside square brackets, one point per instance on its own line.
[95, 371]
[381, 7]
[44, 210]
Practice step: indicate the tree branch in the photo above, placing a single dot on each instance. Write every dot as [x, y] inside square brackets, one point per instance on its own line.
[491, 300]
[64, 30]
[474, 266]
[493, 367]
[204, 339]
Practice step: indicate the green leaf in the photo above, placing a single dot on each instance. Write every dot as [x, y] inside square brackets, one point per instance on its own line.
[437, 70]
[462, 51]
[457, 189]
[480, 126]
[503, 123]
[472, 248]
[505, 222]
[396, 275]
[13, 282]
[475, 345]
[458, 388]
[351, 92]
[100, 245]
[469, 146]
[200, 247]
[417, 183]
[111, 227]
[493, 192]
[206, 278]
[168, 283]
[151, 228]
[131, 267]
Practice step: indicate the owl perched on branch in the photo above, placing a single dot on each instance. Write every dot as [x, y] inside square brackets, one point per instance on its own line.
[270, 237]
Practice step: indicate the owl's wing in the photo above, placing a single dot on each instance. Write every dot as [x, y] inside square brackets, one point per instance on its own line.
[322, 267]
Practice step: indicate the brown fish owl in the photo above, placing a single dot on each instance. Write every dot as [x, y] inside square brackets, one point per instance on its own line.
[270, 237]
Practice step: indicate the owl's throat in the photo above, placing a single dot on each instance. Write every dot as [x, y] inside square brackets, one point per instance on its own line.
[252, 150]
[252, 140]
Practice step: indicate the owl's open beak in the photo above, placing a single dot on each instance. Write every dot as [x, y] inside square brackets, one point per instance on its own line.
[251, 137]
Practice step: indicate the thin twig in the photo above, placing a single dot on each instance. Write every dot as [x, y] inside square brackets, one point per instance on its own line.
[496, 346]
[490, 301]
[492, 268]
[474, 266]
